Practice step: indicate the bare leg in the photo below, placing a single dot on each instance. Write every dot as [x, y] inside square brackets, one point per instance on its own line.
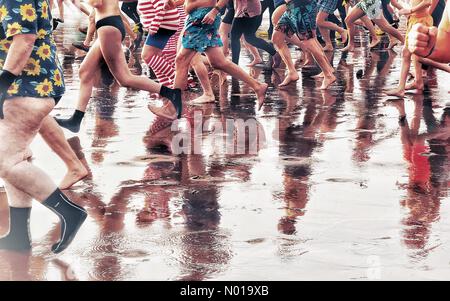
[313, 46]
[355, 14]
[17, 198]
[88, 68]
[202, 74]
[54, 137]
[218, 60]
[406, 63]
[254, 51]
[327, 25]
[375, 40]
[224, 31]
[278, 39]
[111, 49]
[61, 9]
[23, 118]
[386, 27]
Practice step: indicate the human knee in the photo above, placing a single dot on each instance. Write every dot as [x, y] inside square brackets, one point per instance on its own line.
[406, 53]
[220, 63]
[6, 164]
[181, 62]
[277, 39]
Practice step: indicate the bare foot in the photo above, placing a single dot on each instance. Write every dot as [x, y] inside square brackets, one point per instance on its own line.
[400, 93]
[167, 111]
[414, 86]
[261, 94]
[290, 78]
[205, 98]
[256, 61]
[276, 61]
[374, 43]
[327, 82]
[328, 48]
[348, 48]
[73, 176]
[320, 75]
[392, 43]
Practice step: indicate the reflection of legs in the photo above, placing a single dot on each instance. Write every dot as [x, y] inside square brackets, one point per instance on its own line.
[54, 137]
[279, 40]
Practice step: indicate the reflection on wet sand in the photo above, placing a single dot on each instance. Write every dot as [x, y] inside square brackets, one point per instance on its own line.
[330, 181]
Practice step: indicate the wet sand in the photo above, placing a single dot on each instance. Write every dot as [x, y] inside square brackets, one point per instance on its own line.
[336, 190]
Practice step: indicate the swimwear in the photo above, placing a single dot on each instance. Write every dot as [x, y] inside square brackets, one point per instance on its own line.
[413, 20]
[372, 8]
[327, 6]
[229, 15]
[114, 21]
[199, 36]
[160, 39]
[299, 19]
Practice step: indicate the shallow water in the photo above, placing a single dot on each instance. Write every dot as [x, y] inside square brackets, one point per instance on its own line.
[334, 188]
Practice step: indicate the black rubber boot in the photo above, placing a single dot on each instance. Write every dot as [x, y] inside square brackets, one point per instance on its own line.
[19, 238]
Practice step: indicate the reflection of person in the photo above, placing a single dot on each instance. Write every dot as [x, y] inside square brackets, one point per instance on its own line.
[30, 81]
[428, 179]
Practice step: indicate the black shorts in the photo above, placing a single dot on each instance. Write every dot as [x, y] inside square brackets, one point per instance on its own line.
[229, 16]
[114, 21]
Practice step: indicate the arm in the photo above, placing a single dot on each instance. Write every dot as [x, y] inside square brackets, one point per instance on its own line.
[19, 53]
[211, 16]
[421, 5]
[396, 4]
[159, 16]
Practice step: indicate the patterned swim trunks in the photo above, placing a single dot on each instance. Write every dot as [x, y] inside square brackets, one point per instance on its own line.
[300, 19]
[199, 36]
[372, 8]
[327, 6]
[413, 20]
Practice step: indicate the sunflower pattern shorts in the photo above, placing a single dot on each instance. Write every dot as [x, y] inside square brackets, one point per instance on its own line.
[42, 76]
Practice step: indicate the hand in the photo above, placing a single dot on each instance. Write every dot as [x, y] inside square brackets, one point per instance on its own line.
[170, 4]
[405, 12]
[210, 17]
[421, 39]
